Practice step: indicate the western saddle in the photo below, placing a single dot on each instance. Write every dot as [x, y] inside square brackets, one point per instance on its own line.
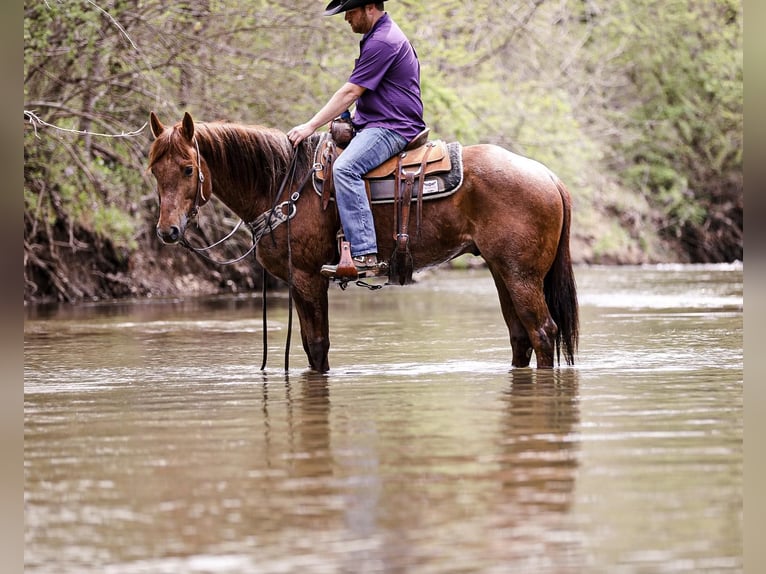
[401, 178]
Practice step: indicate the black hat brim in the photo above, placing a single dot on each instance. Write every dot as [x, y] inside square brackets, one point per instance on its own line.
[338, 6]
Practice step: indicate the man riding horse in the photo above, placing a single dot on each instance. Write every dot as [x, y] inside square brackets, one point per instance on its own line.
[510, 209]
[385, 86]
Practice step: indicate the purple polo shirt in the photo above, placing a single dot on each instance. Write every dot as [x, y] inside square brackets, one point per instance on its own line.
[388, 68]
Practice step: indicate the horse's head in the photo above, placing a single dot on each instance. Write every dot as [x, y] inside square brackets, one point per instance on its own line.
[183, 177]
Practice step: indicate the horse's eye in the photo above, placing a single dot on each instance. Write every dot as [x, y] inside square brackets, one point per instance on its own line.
[188, 171]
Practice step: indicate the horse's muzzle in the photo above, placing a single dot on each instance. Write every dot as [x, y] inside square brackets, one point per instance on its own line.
[169, 236]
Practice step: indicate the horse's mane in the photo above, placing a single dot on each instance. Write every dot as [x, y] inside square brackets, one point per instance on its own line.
[251, 156]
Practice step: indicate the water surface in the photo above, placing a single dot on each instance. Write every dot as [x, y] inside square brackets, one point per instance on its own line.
[153, 442]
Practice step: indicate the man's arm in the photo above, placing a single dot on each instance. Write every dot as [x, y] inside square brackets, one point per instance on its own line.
[338, 103]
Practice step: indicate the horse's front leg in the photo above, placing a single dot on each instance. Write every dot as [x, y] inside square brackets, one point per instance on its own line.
[310, 296]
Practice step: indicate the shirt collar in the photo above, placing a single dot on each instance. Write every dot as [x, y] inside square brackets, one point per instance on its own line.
[383, 18]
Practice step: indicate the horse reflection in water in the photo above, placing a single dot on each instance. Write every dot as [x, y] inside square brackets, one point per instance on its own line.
[511, 210]
[543, 413]
[540, 459]
[375, 476]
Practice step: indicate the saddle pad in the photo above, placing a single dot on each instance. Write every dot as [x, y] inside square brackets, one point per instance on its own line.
[436, 185]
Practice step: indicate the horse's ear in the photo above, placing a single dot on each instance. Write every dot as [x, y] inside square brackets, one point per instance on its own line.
[187, 126]
[156, 124]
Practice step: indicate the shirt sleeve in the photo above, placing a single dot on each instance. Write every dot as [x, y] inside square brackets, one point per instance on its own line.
[372, 64]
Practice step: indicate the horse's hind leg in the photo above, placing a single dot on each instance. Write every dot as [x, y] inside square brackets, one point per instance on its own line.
[520, 343]
[527, 299]
[310, 296]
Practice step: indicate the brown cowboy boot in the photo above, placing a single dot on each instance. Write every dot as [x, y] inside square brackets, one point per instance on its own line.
[363, 266]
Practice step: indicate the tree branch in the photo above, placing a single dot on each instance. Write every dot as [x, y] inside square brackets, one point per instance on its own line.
[36, 121]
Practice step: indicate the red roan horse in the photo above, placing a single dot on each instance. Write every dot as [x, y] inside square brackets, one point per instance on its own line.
[511, 210]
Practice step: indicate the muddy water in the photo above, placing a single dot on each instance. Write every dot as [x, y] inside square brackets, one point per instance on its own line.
[153, 442]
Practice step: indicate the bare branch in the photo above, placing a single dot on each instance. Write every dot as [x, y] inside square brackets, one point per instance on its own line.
[36, 121]
[119, 27]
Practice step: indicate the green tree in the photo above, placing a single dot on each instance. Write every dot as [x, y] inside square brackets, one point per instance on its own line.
[680, 118]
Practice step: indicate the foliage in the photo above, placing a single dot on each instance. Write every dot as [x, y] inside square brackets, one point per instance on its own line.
[682, 106]
[648, 140]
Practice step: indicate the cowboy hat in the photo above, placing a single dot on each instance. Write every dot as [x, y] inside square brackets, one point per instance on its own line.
[338, 6]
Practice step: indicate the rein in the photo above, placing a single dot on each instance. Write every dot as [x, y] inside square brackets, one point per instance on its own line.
[267, 221]
[201, 250]
[198, 199]
[200, 181]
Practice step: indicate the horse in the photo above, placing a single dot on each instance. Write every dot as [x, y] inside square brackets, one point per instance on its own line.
[511, 210]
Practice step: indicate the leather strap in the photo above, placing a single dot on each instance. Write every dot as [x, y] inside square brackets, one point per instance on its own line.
[421, 185]
[328, 188]
[397, 196]
[403, 238]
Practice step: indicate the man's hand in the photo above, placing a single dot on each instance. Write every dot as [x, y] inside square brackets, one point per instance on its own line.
[339, 103]
[300, 133]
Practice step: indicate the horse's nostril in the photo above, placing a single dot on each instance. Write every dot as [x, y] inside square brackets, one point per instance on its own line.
[171, 235]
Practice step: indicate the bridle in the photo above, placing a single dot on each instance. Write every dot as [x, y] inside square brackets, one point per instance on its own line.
[267, 221]
[199, 198]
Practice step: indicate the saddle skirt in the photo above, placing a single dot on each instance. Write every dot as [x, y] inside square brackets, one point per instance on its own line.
[443, 170]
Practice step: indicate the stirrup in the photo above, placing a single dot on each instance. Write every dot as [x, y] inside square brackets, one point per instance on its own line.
[336, 273]
[347, 269]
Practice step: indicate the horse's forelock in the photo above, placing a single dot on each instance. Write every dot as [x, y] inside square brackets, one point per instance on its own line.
[170, 141]
[158, 149]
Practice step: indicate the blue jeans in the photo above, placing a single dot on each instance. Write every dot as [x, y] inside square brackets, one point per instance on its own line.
[367, 150]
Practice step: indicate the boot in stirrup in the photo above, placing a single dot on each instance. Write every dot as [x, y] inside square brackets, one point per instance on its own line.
[362, 266]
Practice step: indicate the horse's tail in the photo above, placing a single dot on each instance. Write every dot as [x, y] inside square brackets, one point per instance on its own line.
[560, 289]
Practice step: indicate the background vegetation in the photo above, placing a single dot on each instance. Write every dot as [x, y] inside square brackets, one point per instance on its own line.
[636, 104]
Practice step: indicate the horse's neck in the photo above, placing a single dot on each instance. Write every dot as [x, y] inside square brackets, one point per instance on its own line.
[245, 202]
[247, 199]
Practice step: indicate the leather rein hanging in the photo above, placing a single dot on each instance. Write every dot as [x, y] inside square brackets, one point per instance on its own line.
[264, 223]
[199, 198]
[268, 221]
